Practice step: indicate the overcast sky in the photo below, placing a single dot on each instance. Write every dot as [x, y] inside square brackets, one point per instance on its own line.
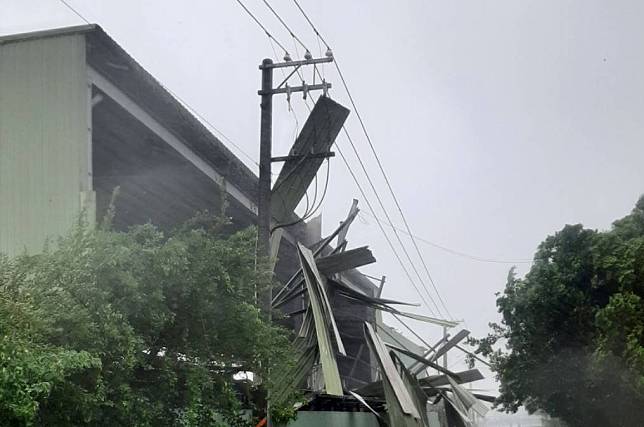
[497, 121]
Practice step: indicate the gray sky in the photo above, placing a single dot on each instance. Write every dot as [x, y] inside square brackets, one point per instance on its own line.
[497, 121]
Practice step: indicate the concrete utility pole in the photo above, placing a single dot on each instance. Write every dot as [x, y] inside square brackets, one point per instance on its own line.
[264, 190]
[264, 212]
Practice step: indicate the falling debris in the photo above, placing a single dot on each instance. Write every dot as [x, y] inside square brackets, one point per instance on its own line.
[400, 394]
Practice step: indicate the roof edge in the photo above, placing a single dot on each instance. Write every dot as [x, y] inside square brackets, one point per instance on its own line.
[51, 32]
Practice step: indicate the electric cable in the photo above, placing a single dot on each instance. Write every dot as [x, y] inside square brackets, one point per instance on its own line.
[317, 33]
[182, 101]
[364, 169]
[344, 83]
[393, 195]
[402, 264]
[463, 254]
[77, 13]
[389, 242]
[269, 35]
[209, 124]
[382, 206]
[313, 211]
[285, 25]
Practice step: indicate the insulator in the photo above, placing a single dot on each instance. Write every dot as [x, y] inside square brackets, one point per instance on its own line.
[305, 90]
[308, 56]
[287, 57]
[329, 53]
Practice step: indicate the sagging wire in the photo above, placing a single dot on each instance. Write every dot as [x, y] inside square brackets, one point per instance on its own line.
[426, 269]
[307, 53]
[269, 35]
[77, 13]
[314, 210]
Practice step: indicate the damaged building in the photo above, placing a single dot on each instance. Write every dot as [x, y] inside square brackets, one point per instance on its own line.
[79, 118]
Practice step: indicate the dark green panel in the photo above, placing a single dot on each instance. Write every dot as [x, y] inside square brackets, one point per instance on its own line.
[317, 136]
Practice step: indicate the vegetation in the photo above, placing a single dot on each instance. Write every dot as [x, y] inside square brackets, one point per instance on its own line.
[573, 328]
[137, 328]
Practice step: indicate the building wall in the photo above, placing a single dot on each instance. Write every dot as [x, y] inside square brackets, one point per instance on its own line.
[44, 140]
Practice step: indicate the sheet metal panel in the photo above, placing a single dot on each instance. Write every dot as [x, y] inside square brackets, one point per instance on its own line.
[317, 136]
[44, 168]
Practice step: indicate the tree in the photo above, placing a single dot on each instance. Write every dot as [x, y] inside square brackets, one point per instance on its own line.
[573, 327]
[134, 328]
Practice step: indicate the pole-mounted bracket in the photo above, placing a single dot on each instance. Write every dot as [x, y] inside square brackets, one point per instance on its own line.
[297, 63]
[303, 88]
[300, 156]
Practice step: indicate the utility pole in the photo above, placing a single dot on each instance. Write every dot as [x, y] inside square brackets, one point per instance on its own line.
[264, 190]
[264, 212]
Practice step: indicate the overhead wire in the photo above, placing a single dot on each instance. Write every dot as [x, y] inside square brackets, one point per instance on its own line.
[463, 254]
[391, 245]
[317, 33]
[182, 101]
[213, 127]
[391, 191]
[270, 36]
[364, 169]
[285, 25]
[307, 213]
[346, 87]
[298, 40]
[380, 202]
[77, 13]
[313, 210]
[388, 240]
[382, 206]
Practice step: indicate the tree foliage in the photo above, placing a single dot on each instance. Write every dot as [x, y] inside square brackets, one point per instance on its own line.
[137, 328]
[573, 327]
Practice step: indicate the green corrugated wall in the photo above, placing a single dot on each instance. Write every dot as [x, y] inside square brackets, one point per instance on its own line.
[44, 140]
[335, 419]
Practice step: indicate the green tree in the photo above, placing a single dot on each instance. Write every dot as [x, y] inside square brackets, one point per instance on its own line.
[137, 328]
[571, 340]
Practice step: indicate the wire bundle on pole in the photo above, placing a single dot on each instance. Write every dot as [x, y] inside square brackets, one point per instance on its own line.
[380, 166]
[434, 303]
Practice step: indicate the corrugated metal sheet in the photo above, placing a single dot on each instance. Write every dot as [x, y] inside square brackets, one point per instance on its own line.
[44, 159]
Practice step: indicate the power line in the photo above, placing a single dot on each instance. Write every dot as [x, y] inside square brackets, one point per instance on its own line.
[213, 127]
[364, 169]
[317, 33]
[382, 206]
[389, 242]
[284, 24]
[346, 87]
[188, 106]
[261, 26]
[393, 249]
[314, 209]
[77, 13]
[384, 233]
[463, 254]
[402, 245]
[391, 191]
[307, 213]
[429, 346]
